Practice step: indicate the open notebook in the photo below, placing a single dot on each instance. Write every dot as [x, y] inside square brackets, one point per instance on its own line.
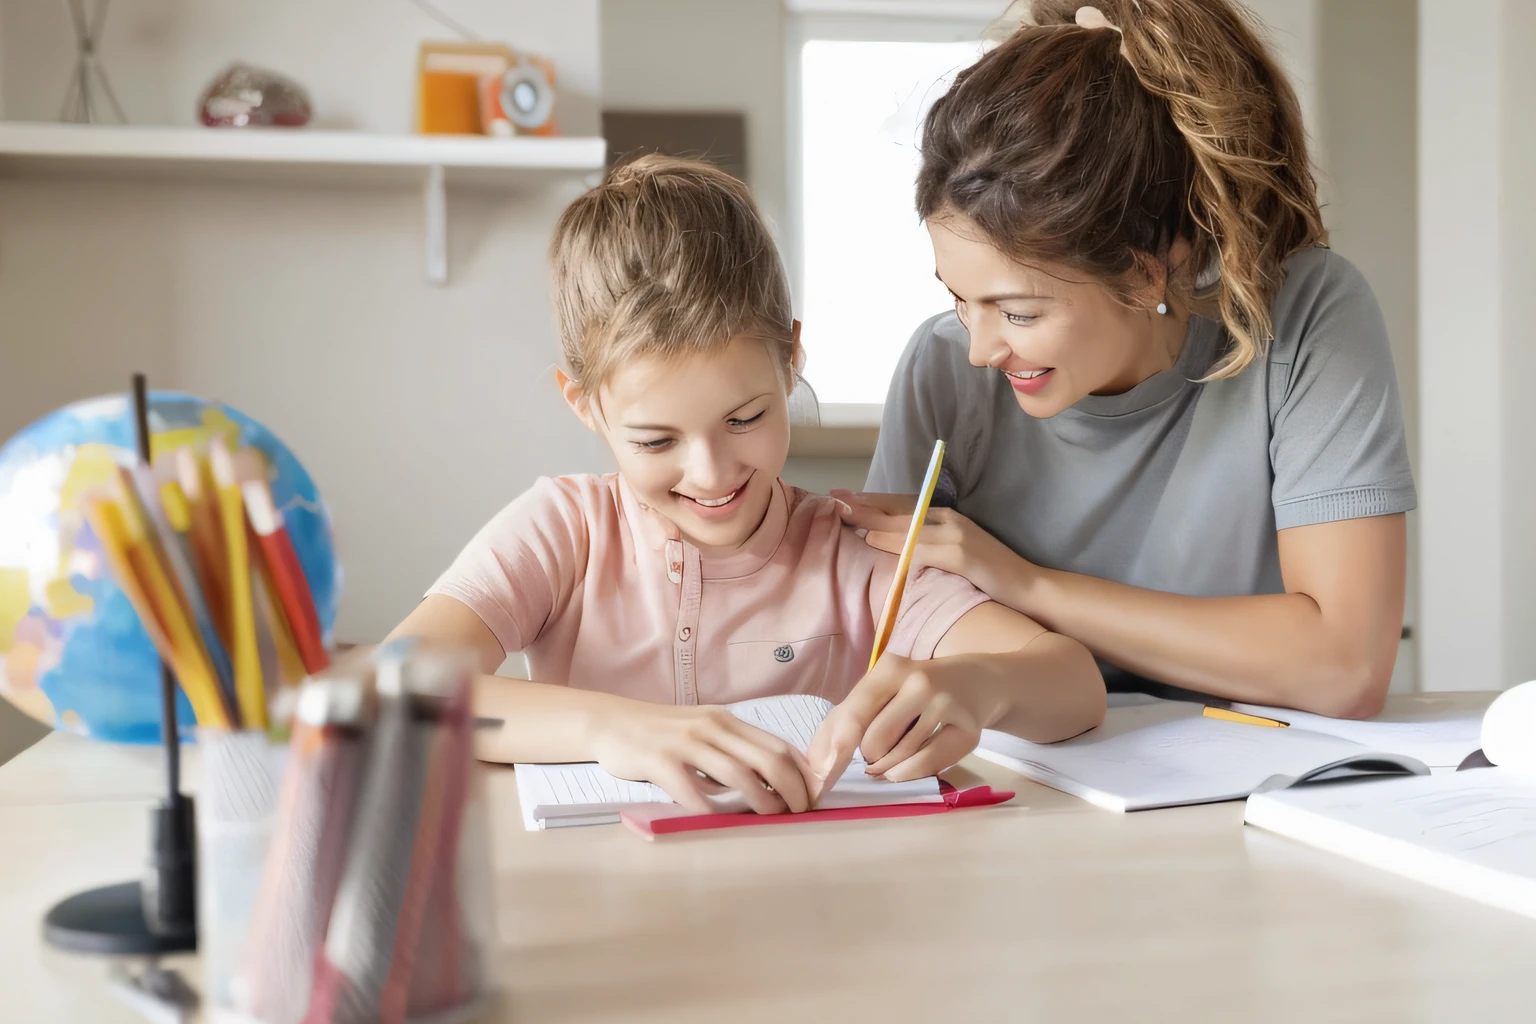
[556, 795]
[1167, 754]
[1472, 832]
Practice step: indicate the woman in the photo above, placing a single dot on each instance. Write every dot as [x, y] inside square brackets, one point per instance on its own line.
[1172, 416]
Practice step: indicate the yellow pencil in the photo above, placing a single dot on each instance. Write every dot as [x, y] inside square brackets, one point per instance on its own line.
[904, 564]
[242, 613]
[189, 659]
[1227, 715]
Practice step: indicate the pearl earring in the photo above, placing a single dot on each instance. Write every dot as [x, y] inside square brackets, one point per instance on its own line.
[1162, 309]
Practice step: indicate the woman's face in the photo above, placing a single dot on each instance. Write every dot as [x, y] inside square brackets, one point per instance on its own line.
[1055, 336]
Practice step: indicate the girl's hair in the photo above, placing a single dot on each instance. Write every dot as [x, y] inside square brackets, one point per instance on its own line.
[667, 257]
[1098, 149]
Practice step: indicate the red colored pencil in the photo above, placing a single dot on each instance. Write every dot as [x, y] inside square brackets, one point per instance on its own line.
[282, 563]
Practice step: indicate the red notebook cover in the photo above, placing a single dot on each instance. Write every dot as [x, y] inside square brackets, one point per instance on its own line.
[654, 820]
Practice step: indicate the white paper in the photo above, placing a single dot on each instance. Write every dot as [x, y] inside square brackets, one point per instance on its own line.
[1165, 755]
[1472, 832]
[1425, 728]
[553, 795]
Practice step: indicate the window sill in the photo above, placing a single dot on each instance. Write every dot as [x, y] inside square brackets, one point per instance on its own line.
[846, 431]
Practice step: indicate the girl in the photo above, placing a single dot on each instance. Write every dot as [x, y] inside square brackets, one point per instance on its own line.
[694, 577]
[1173, 412]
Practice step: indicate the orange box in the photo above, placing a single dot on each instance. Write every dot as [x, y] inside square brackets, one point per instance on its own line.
[458, 90]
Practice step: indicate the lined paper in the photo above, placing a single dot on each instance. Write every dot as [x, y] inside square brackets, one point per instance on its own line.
[552, 795]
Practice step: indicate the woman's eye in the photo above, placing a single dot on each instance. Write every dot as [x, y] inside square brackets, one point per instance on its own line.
[746, 422]
[1019, 319]
[653, 446]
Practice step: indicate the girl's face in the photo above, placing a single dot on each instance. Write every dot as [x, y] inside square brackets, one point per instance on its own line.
[1055, 337]
[702, 439]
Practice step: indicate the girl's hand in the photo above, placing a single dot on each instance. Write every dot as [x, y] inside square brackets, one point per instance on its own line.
[948, 540]
[670, 746]
[910, 719]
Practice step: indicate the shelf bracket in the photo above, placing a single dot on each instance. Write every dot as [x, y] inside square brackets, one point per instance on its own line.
[435, 201]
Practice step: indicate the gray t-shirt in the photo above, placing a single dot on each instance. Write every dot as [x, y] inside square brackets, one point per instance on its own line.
[1174, 485]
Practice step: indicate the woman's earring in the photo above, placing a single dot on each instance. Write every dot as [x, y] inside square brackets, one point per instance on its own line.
[1162, 309]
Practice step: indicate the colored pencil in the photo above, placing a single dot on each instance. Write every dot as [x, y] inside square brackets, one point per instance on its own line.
[189, 660]
[282, 562]
[165, 513]
[243, 651]
[205, 535]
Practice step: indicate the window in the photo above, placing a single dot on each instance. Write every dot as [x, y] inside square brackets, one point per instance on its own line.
[863, 265]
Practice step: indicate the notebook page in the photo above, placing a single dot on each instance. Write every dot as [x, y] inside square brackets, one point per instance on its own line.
[1471, 832]
[577, 789]
[1165, 755]
[794, 718]
[549, 792]
[1425, 728]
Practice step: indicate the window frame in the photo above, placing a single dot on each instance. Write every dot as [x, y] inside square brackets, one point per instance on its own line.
[854, 21]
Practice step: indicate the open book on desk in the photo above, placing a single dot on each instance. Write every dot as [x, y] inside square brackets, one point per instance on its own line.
[1168, 754]
[556, 795]
[1472, 832]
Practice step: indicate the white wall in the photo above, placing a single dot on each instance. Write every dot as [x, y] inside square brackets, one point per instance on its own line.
[419, 409]
[1476, 215]
[1518, 339]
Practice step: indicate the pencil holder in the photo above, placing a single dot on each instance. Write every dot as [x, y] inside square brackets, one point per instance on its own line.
[236, 811]
[373, 902]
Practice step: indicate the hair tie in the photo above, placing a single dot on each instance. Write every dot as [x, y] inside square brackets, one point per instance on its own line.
[1092, 17]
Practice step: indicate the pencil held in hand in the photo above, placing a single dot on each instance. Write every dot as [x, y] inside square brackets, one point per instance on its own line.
[904, 565]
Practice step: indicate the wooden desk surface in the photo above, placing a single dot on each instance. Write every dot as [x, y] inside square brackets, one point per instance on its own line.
[1046, 909]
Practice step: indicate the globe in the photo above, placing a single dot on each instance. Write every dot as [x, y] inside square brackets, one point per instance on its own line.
[72, 651]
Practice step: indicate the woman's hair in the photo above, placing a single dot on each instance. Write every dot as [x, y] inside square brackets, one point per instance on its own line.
[667, 257]
[1098, 149]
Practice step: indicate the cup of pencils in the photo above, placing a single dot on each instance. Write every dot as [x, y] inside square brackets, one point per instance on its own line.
[374, 903]
[198, 546]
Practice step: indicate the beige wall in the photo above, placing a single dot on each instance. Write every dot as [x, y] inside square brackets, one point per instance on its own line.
[705, 55]
[1367, 105]
[419, 409]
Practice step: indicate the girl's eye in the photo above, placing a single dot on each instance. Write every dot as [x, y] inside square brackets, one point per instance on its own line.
[746, 422]
[1019, 319]
[653, 446]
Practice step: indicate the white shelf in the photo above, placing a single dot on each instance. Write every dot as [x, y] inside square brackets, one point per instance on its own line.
[24, 143]
[42, 149]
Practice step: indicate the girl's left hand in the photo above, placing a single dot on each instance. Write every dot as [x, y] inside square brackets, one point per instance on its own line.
[948, 540]
[910, 719]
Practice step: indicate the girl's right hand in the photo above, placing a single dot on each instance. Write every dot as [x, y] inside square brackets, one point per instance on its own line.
[670, 746]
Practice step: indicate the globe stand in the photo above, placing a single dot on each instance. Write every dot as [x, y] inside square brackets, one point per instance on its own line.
[157, 914]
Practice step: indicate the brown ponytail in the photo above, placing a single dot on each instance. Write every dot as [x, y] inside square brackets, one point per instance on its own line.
[1098, 149]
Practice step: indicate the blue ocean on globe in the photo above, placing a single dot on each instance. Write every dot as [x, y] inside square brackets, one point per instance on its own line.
[72, 651]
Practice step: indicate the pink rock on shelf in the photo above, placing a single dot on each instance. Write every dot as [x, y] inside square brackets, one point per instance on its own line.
[244, 96]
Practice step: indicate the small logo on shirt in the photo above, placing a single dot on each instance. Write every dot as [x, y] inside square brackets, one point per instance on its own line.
[784, 653]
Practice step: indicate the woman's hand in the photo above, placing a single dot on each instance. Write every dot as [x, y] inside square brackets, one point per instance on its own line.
[910, 719]
[948, 541]
[670, 746]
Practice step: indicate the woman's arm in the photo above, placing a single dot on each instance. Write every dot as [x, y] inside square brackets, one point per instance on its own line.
[993, 669]
[633, 739]
[1326, 645]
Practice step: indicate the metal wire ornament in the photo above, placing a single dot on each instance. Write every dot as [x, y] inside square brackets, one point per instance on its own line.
[81, 105]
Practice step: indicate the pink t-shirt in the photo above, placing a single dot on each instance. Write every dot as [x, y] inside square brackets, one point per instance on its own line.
[599, 593]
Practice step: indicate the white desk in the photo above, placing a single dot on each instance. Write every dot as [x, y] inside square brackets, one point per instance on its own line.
[1045, 910]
